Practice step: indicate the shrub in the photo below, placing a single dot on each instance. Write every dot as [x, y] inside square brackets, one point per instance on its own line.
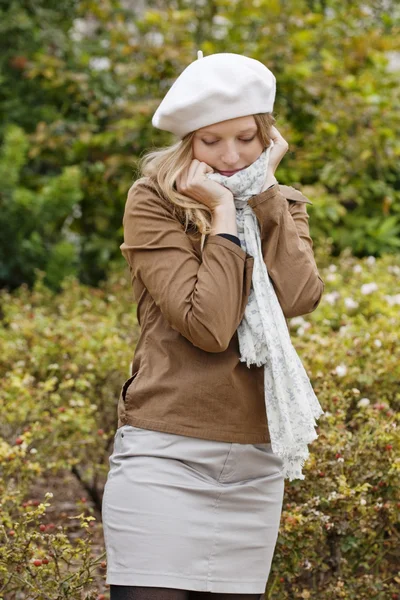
[83, 82]
[34, 228]
[65, 357]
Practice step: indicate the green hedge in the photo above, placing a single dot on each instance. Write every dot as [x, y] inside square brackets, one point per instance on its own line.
[64, 358]
[85, 98]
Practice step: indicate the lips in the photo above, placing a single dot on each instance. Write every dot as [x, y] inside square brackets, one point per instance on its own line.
[228, 173]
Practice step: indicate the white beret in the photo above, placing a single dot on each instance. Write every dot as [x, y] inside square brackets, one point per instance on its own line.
[215, 88]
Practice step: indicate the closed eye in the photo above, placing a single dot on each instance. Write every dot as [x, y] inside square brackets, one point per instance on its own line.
[216, 141]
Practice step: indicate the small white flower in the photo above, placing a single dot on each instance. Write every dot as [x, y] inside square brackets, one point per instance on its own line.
[331, 277]
[355, 391]
[300, 331]
[341, 370]
[331, 297]
[392, 300]
[332, 268]
[221, 20]
[350, 303]
[296, 322]
[220, 26]
[377, 343]
[370, 260]
[76, 211]
[395, 269]
[368, 288]
[33, 451]
[82, 28]
[393, 61]
[357, 269]
[100, 63]
[154, 38]
[340, 459]
[363, 501]
[363, 402]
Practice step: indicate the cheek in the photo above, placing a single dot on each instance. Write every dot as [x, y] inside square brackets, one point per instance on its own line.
[254, 152]
[202, 153]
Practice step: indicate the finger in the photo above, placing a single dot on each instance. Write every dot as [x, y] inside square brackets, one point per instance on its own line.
[206, 167]
[275, 134]
[202, 169]
[277, 137]
[192, 170]
[180, 181]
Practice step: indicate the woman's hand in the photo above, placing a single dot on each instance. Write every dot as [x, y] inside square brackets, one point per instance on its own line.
[193, 182]
[278, 151]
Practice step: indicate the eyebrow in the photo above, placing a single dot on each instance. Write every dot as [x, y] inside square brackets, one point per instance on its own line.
[241, 131]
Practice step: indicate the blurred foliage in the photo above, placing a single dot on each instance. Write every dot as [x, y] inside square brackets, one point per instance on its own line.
[83, 78]
[34, 232]
[66, 356]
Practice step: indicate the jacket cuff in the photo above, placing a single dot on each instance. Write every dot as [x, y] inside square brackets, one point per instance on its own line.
[217, 239]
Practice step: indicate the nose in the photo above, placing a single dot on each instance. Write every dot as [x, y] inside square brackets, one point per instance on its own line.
[230, 156]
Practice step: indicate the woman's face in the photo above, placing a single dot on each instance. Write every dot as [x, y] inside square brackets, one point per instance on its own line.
[228, 146]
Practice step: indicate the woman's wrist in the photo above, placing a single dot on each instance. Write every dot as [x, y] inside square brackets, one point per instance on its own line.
[270, 180]
[224, 219]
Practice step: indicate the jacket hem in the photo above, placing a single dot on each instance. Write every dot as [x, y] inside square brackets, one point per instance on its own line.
[261, 437]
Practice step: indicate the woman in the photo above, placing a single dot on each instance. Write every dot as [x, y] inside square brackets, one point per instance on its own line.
[194, 494]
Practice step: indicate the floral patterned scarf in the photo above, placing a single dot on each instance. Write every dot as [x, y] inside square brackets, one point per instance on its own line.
[291, 404]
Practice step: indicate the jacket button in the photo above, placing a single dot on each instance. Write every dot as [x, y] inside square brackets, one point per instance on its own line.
[122, 434]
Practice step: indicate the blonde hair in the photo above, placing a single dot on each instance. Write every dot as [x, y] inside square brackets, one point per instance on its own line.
[163, 165]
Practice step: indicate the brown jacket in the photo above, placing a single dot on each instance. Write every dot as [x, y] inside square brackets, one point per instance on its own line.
[186, 377]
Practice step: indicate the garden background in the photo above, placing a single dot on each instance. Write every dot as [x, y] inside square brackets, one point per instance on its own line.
[80, 81]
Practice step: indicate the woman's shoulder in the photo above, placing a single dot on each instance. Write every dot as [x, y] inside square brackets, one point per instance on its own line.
[145, 196]
[143, 184]
[145, 190]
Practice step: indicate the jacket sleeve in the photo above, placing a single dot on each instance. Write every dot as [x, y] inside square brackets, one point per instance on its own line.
[288, 248]
[203, 298]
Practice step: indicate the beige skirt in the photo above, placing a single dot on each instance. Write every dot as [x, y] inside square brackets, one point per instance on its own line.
[193, 514]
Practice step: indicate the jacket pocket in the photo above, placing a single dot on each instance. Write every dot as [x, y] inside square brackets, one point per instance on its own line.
[126, 385]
